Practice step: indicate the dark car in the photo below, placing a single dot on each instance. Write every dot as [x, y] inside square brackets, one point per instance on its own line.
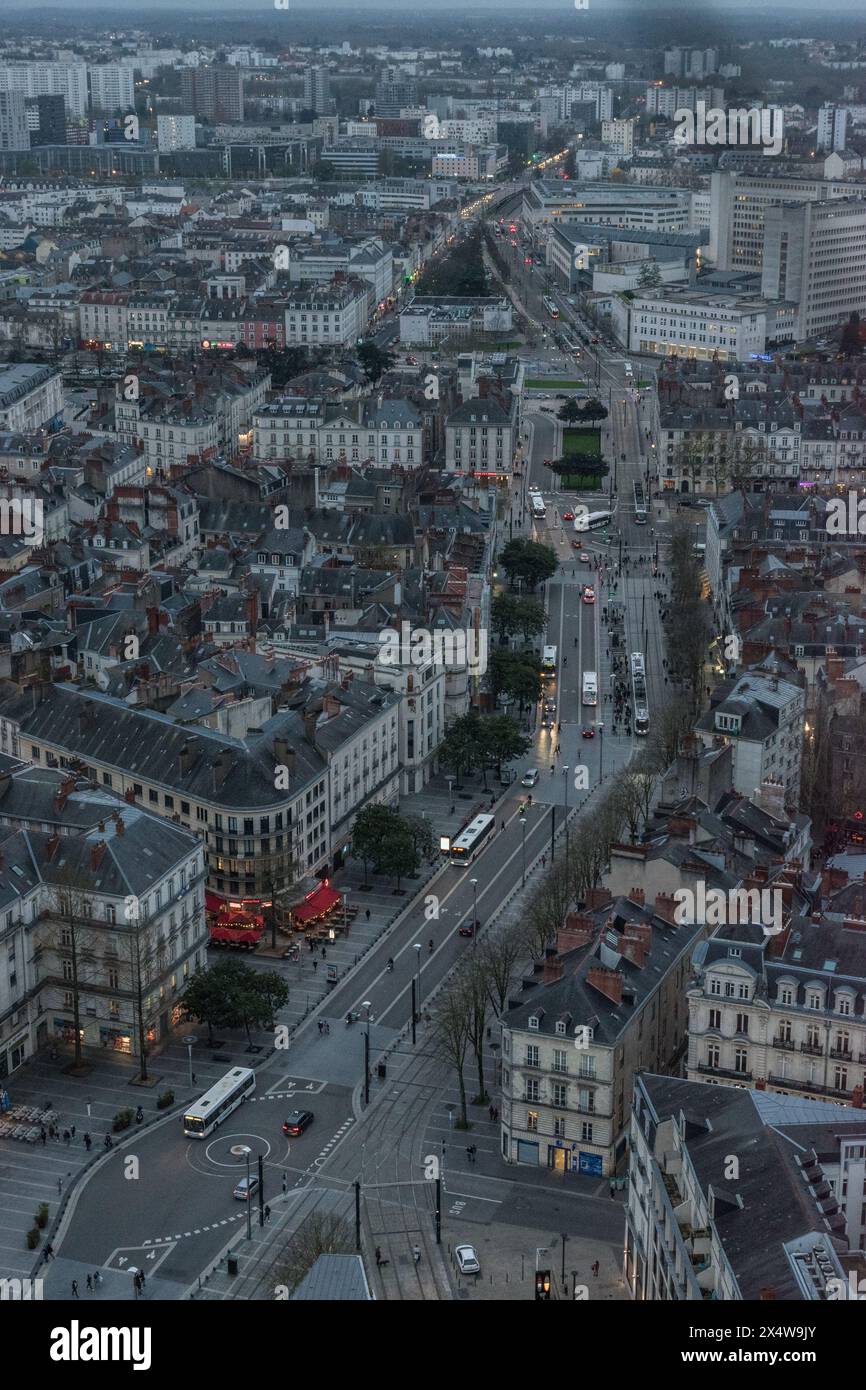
[298, 1121]
[588, 731]
[469, 928]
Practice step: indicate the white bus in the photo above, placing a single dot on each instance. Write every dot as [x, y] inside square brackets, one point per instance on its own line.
[590, 688]
[216, 1104]
[592, 522]
[548, 662]
[470, 840]
[538, 505]
[628, 369]
[638, 685]
[639, 504]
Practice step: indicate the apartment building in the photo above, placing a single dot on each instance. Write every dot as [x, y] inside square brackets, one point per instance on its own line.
[761, 716]
[711, 1167]
[224, 789]
[334, 315]
[215, 92]
[103, 320]
[786, 1012]
[738, 202]
[112, 88]
[369, 260]
[31, 396]
[175, 132]
[84, 871]
[481, 436]
[609, 1003]
[14, 131]
[383, 431]
[68, 80]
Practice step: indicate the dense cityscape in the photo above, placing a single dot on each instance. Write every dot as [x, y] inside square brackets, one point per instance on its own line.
[433, 658]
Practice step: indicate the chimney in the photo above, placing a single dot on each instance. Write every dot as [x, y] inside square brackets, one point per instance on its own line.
[857, 1097]
[552, 966]
[598, 897]
[607, 982]
[665, 907]
[129, 795]
[153, 621]
[185, 758]
[119, 826]
[578, 931]
[281, 751]
[636, 895]
[97, 854]
[311, 718]
[636, 943]
[51, 848]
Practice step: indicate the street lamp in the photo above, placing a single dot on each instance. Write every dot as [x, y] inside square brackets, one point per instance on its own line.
[244, 1151]
[601, 752]
[523, 845]
[190, 1041]
[367, 1005]
[474, 882]
[450, 781]
[416, 989]
[565, 778]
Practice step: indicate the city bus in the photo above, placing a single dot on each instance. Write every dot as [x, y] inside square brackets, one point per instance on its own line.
[470, 840]
[218, 1103]
[548, 662]
[590, 688]
[628, 370]
[639, 504]
[593, 522]
[538, 505]
[550, 307]
[638, 685]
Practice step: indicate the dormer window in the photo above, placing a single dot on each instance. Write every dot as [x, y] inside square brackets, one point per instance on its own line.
[560, 1027]
[533, 1023]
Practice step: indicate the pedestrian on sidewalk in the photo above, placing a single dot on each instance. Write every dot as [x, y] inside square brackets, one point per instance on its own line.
[87, 1142]
[89, 1284]
[49, 1252]
[368, 914]
[595, 1270]
[75, 1288]
[72, 1131]
[43, 1136]
[97, 1279]
[320, 1026]
[543, 860]
[491, 1112]
[416, 1254]
[469, 1152]
[267, 1213]
[60, 1187]
[612, 1186]
[324, 953]
[285, 1183]
[67, 1138]
[327, 1028]
[315, 965]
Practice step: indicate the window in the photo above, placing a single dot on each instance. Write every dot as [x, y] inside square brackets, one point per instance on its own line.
[532, 1091]
[532, 1120]
[742, 1023]
[560, 1060]
[715, 1018]
[586, 1131]
[532, 1056]
[741, 1059]
[560, 1095]
[713, 1055]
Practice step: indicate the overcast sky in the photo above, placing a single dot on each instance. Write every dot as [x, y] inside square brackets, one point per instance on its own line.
[126, 16]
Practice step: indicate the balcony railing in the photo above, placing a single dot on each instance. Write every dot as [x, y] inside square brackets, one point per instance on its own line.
[709, 1070]
[787, 1044]
[813, 1049]
[842, 1054]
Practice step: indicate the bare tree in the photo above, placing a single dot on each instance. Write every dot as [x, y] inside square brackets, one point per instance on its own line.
[477, 1013]
[499, 957]
[322, 1233]
[451, 1037]
[74, 943]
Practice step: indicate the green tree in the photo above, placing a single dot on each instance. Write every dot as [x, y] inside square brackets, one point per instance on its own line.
[374, 361]
[593, 410]
[398, 855]
[570, 411]
[528, 561]
[212, 995]
[515, 674]
[372, 824]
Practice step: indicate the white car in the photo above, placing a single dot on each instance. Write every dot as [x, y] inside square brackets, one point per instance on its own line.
[530, 777]
[467, 1260]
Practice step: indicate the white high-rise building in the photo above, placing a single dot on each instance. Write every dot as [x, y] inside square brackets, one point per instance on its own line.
[832, 127]
[68, 80]
[815, 255]
[620, 136]
[112, 88]
[14, 132]
[175, 133]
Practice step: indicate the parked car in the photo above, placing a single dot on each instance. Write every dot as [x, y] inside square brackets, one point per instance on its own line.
[467, 1260]
[530, 777]
[298, 1121]
[246, 1188]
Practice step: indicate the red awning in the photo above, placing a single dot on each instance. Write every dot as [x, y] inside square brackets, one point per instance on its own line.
[316, 903]
[213, 903]
[239, 936]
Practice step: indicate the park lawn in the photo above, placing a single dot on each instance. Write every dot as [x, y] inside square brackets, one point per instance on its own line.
[554, 384]
[577, 440]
